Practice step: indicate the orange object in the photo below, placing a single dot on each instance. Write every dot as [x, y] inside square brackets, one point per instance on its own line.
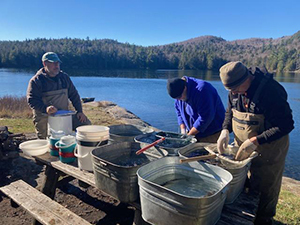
[150, 145]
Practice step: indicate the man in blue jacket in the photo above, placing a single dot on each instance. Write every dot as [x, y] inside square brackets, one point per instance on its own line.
[199, 108]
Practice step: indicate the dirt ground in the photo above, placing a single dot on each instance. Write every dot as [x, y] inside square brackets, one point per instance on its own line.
[89, 203]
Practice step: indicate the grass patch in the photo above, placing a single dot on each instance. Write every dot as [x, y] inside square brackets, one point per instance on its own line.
[14, 107]
[288, 208]
[18, 125]
[17, 116]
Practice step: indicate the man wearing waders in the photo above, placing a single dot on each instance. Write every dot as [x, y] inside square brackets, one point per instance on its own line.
[50, 90]
[261, 119]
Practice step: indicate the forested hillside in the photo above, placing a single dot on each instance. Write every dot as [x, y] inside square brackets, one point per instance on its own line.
[206, 52]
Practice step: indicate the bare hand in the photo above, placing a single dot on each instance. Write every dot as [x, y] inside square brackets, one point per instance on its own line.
[82, 118]
[51, 109]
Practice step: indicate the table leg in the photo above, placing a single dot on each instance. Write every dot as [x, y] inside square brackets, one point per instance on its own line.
[49, 186]
[138, 220]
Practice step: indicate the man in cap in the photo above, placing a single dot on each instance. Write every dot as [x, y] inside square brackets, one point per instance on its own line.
[261, 119]
[50, 90]
[198, 106]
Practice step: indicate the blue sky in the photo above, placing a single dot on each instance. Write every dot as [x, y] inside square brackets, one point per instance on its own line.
[150, 22]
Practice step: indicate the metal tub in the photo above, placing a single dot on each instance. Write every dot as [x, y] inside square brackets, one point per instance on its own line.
[190, 193]
[172, 135]
[238, 169]
[115, 168]
[171, 145]
[127, 132]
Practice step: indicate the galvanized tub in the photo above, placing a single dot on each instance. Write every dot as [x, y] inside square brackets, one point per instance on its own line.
[115, 167]
[172, 145]
[127, 132]
[172, 135]
[191, 193]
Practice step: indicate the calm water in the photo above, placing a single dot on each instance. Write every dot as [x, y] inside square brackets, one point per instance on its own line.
[144, 93]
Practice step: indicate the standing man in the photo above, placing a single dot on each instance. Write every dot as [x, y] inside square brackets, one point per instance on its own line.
[261, 119]
[199, 108]
[50, 90]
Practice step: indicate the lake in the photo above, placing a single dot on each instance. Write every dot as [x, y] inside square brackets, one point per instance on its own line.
[144, 93]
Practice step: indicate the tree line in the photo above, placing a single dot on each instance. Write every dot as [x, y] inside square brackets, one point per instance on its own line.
[206, 52]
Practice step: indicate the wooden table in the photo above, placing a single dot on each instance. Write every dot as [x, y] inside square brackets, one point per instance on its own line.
[241, 212]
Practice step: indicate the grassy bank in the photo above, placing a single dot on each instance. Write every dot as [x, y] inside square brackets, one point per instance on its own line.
[15, 114]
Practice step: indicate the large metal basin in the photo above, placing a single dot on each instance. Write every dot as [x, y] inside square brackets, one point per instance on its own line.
[190, 193]
[237, 169]
[171, 145]
[127, 132]
[115, 168]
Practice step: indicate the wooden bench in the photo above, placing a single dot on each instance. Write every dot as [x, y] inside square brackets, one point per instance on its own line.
[40, 206]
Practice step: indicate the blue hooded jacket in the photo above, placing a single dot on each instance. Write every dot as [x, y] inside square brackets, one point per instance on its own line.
[203, 108]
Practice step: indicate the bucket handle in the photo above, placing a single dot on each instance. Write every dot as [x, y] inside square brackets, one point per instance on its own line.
[79, 156]
[57, 145]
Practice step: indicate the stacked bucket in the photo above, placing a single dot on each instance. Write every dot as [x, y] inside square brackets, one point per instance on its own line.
[88, 138]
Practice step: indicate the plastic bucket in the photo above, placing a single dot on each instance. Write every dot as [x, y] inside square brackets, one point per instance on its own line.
[60, 122]
[55, 137]
[54, 151]
[66, 146]
[88, 138]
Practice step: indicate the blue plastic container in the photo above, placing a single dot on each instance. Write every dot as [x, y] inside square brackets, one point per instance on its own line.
[54, 151]
[66, 151]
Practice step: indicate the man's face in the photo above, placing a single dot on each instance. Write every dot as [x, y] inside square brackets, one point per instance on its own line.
[52, 68]
[241, 89]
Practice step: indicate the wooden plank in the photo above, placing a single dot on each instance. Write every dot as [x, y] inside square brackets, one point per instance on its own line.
[245, 206]
[43, 208]
[70, 169]
[241, 211]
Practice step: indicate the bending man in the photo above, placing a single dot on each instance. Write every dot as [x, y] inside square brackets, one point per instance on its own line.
[261, 119]
[199, 108]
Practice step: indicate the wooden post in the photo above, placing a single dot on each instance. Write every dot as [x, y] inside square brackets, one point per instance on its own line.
[49, 185]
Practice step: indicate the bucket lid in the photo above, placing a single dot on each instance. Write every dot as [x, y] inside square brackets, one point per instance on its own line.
[91, 129]
[63, 113]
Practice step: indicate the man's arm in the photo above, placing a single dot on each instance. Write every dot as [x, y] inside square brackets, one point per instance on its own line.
[206, 108]
[34, 96]
[278, 115]
[227, 124]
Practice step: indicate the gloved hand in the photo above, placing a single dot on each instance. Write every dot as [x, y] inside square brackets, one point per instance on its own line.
[223, 141]
[183, 131]
[245, 150]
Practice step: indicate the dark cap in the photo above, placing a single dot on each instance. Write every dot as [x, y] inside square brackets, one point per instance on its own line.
[233, 74]
[175, 87]
[50, 57]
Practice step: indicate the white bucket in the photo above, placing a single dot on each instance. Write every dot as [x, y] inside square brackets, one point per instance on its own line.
[88, 138]
[60, 123]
